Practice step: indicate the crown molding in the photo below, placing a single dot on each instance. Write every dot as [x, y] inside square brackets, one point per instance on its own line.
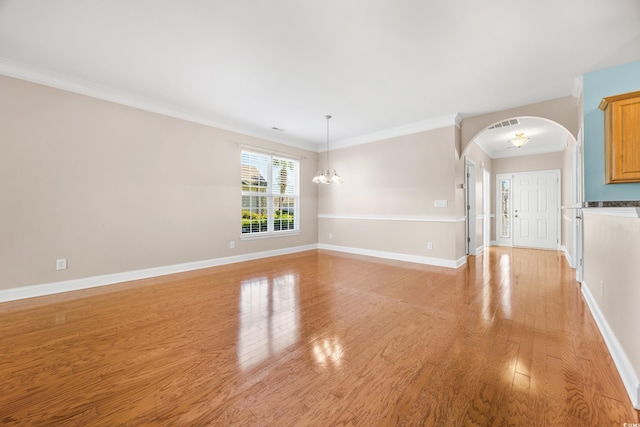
[68, 83]
[82, 87]
[408, 129]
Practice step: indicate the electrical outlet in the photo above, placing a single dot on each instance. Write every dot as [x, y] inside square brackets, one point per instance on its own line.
[429, 245]
[61, 264]
[440, 203]
[232, 244]
[330, 236]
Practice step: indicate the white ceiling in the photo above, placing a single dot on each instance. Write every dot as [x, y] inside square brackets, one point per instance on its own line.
[544, 137]
[377, 66]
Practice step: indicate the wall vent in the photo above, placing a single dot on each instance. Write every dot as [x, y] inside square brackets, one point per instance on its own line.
[506, 123]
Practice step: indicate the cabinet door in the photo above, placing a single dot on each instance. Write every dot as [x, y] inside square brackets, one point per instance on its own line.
[622, 140]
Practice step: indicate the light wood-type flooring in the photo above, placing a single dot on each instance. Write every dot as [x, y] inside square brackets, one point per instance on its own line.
[316, 339]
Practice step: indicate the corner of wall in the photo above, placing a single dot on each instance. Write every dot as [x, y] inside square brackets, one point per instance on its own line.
[623, 364]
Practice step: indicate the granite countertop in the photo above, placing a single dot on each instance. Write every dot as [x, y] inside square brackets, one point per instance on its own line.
[613, 204]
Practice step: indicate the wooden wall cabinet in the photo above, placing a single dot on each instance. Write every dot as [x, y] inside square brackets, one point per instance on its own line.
[621, 137]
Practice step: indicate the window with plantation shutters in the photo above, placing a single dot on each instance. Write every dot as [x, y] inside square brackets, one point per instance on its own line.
[270, 200]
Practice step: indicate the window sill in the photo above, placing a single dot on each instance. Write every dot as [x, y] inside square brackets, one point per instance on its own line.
[256, 236]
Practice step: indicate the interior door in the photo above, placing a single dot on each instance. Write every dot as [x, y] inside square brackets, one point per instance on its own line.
[536, 205]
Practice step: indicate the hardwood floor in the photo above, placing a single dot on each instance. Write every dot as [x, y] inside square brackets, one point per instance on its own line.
[316, 339]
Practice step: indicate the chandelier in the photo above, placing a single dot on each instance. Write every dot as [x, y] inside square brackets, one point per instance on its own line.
[328, 175]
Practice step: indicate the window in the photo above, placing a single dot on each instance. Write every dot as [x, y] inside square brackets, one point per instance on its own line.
[505, 209]
[270, 200]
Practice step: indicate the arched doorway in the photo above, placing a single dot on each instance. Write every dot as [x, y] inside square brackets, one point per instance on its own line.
[550, 147]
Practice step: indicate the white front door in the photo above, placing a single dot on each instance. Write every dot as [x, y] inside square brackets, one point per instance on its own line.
[536, 202]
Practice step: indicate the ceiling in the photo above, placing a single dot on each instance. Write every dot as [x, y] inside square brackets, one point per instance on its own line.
[544, 136]
[379, 67]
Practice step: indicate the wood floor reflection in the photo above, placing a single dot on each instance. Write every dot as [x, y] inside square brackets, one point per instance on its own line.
[316, 339]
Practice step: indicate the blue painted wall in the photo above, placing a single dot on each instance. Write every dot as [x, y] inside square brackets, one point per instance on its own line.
[597, 85]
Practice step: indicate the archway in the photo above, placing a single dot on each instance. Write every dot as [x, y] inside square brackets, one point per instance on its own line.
[490, 148]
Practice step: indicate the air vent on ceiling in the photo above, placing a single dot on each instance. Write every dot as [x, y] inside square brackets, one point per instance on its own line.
[506, 123]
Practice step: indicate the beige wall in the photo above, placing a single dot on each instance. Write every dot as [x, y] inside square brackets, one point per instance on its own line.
[115, 189]
[532, 163]
[396, 178]
[611, 254]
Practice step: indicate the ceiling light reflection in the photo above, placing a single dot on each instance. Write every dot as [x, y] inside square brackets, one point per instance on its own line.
[328, 352]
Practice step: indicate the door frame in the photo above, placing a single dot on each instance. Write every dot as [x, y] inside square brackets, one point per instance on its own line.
[470, 200]
[577, 198]
[511, 178]
[558, 216]
[486, 208]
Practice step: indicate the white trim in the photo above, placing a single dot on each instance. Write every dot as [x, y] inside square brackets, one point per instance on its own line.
[395, 218]
[69, 83]
[408, 129]
[633, 212]
[486, 207]
[479, 250]
[110, 279]
[268, 235]
[493, 243]
[511, 177]
[470, 204]
[480, 216]
[564, 249]
[625, 369]
[439, 262]
[267, 151]
[94, 90]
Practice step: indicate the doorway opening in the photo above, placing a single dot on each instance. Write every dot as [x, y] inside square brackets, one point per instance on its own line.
[528, 209]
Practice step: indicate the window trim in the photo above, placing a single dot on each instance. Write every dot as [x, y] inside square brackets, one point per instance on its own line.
[268, 234]
[272, 196]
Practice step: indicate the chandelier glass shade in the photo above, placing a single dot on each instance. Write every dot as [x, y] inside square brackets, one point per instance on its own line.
[327, 176]
[519, 141]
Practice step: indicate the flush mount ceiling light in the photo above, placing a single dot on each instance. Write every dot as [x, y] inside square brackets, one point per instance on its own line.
[327, 176]
[519, 141]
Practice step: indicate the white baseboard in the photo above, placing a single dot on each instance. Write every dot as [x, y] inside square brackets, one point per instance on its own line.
[479, 250]
[567, 255]
[493, 243]
[627, 373]
[439, 262]
[110, 279]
